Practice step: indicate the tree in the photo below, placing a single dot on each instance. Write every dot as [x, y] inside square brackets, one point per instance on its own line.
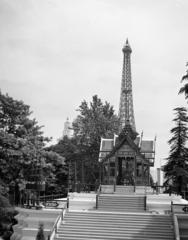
[22, 149]
[22, 144]
[56, 173]
[184, 89]
[177, 162]
[7, 213]
[95, 120]
[20, 139]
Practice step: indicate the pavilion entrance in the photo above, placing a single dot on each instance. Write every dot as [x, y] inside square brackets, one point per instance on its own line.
[125, 171]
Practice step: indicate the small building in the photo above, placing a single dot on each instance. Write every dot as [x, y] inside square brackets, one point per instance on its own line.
[126, 159]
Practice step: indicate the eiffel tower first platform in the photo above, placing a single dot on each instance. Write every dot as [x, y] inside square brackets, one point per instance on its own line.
[126, 159]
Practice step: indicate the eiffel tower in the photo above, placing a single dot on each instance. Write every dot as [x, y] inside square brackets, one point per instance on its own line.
[126, 110]
[126, 159]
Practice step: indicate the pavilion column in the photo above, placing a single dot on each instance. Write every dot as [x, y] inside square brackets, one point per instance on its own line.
[135, 166]
[148, 175]
[142, 172]
[100, 173]
[116, 168]
[108, 171]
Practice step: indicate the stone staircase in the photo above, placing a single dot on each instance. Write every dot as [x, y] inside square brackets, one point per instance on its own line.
[114, 226]
[119, 215]
[121, 203]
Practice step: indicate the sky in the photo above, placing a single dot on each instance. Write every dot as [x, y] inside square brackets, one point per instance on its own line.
[56, 53]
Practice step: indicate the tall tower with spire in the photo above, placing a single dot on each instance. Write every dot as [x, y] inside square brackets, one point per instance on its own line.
[126, 110]
[132, 156]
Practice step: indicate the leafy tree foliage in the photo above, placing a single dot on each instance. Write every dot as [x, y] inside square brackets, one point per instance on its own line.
[22, 143]
[7, 214]
[95, 120]
[177, 162]
[69, 150]
[184, 89]
[56, 173]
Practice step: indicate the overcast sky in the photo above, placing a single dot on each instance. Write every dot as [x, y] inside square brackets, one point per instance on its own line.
[55, 53]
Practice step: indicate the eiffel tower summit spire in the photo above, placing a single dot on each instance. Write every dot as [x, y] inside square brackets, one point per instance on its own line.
[126, 110]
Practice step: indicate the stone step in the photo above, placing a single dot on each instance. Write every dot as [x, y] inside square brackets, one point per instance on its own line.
[107, 215]
[113, 222]
[112, 238]
[117, 227]
[120, 201]
[116, 233]
[141, 206]
[126, 210]
[139, 237]
[121, 216]
[91, 235]
[115, 217]
[114, 203]
[120, 196]
[121, 204]
[100, 203]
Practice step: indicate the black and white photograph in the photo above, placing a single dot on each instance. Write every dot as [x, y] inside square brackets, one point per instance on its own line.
[93, 119]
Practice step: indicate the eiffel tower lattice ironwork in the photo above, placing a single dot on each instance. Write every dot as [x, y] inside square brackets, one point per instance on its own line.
[126, 110]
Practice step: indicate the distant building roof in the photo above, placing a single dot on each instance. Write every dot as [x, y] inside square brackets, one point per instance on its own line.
[147, 146]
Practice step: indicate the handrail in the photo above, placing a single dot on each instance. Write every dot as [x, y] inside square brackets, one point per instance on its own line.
[51, 197]
[58, 220]
[97, 200]
[134, 188]
[67, 202]
[175, 222]
[99, 189]
[54, 228]
[176, 227]
[114, 186]
[145, 202]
